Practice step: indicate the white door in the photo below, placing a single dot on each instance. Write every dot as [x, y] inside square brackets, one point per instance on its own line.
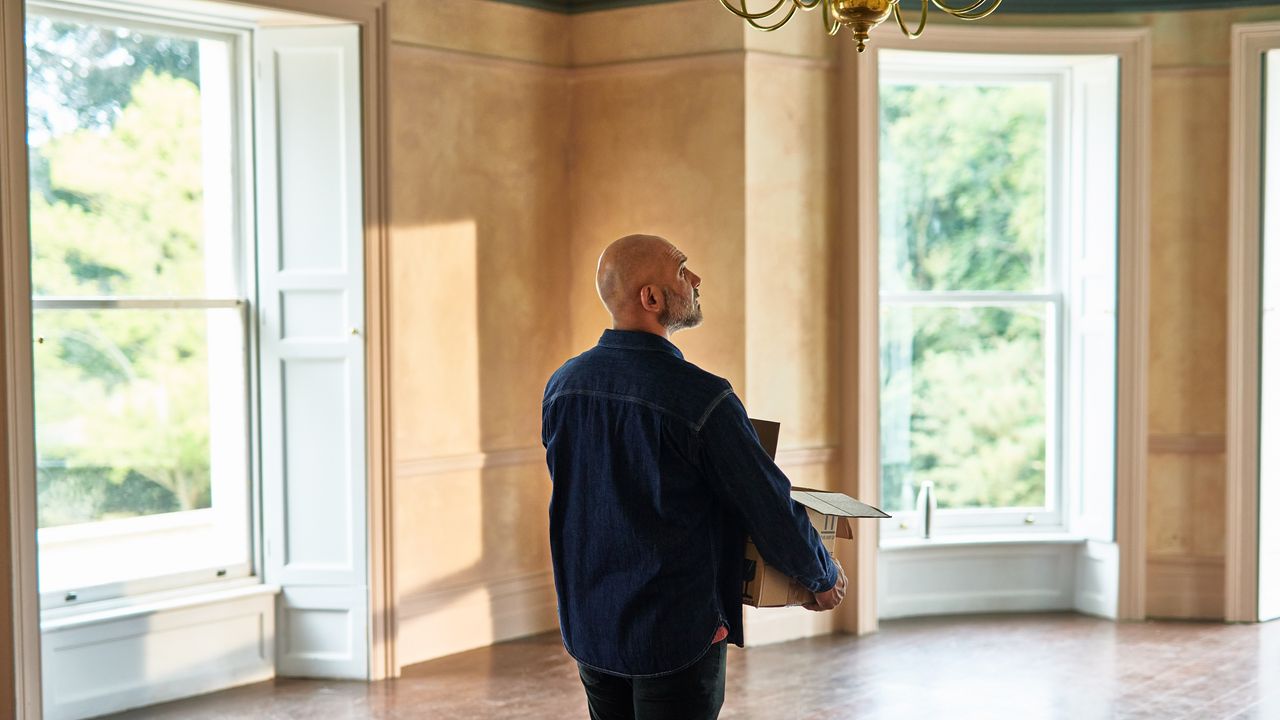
[311, 290]
[1269, 428]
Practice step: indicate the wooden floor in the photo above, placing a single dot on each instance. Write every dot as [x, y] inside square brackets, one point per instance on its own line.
[1019, 667]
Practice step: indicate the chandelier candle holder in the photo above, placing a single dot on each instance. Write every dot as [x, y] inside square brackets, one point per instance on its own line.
[860, 16]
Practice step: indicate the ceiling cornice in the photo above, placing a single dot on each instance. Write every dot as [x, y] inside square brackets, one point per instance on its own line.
[1039, 7]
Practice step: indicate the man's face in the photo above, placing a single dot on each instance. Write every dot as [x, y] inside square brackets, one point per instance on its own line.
[680, 296]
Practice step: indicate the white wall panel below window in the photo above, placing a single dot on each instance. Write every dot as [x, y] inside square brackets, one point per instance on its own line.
[137, 656]
[977, 578]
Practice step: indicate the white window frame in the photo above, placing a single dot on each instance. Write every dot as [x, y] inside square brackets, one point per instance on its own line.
[1064, 199]
[1111, 568]
[59, 602]
[372, 16]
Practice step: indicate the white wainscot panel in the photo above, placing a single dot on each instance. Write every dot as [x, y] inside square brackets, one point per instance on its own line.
[322, 632]
[950, 579]
[106, 662]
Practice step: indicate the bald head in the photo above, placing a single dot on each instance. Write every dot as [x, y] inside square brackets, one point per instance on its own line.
[642, 279]
[627, 265]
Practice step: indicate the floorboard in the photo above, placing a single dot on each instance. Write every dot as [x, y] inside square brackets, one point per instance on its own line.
[1024, 667]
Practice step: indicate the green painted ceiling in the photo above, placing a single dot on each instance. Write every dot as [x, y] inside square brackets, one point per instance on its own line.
[1009, 6]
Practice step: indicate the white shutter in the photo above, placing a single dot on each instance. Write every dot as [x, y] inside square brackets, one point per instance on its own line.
[310, 240]
[1090, 459]
[1269, 425]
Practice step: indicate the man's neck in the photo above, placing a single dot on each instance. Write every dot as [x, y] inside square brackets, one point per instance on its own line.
[651, 328]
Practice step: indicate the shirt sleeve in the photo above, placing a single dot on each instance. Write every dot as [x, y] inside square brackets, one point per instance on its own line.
[750, 483]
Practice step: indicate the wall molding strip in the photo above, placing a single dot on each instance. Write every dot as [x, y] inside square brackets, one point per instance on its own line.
[475, 59]
[436, 598]
[715, 59]
[668, 63]
[536, 455]
[803, 62]
[1187, 444]
[444, 464]
[805, 457]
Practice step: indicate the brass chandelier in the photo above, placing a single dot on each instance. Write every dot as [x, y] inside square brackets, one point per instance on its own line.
[860, 16]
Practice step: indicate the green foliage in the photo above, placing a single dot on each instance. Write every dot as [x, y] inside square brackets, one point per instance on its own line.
[89, 71]
[122, 396]
[963, 394]
[962, 178]
[135, 224]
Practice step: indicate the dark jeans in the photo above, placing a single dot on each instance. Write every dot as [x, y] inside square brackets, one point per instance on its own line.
[695, 693]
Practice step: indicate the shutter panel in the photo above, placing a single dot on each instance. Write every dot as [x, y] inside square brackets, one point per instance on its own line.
[1093, 252]
[310, 245]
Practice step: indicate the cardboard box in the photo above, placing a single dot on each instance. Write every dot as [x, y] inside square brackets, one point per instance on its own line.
[831, 513]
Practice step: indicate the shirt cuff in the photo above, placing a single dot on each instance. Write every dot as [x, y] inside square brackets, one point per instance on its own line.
[830, 581]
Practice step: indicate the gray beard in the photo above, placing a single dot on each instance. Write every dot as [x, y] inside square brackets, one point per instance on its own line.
[679, 315]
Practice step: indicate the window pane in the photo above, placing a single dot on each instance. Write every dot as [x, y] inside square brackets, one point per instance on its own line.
[130, 151]
[962, 186]
[963, 404]
[140, 413]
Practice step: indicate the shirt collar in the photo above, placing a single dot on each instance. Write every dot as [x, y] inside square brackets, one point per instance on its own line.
[638, 340]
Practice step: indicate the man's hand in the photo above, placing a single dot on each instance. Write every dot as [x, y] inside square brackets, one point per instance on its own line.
[830, 599]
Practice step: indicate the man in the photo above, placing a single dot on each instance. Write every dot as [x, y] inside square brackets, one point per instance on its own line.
[657, 477]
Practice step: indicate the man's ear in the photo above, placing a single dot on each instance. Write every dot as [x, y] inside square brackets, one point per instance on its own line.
[650, 299]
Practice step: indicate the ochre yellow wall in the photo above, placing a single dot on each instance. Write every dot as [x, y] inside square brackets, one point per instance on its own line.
[522, 143]
[479, 122]
[657, 147]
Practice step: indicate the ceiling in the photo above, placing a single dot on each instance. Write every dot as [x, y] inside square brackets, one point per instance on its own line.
[1009, 6]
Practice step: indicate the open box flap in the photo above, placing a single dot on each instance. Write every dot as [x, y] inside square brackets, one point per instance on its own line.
[834, 503]
[837, 505]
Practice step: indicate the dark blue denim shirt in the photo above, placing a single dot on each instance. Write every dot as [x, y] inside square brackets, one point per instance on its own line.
[657, 478]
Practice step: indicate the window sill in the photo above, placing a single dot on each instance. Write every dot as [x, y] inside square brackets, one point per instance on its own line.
[64, 618]
[992, 539]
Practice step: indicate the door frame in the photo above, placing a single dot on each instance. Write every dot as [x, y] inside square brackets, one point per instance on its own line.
[20, 682]
[1249, 45]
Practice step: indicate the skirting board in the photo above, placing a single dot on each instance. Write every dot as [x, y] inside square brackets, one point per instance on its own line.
[436, 623]
[129, 661]
[948, 580]
[1185, 587]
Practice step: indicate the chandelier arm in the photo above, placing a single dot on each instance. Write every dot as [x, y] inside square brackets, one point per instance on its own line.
[810, 4]
[828, 22]
[747, 15]
[976, 15]
[924, 18]
[775, 26]
[961, 10]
